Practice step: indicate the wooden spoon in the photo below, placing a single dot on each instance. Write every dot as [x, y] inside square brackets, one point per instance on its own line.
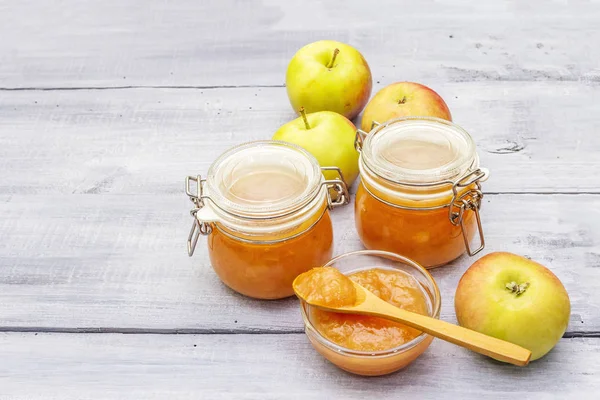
[368, 304]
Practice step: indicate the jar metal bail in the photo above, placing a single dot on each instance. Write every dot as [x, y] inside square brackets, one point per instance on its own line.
[198, 228]
[361, 135]
[338, 185]
[359, 139]
[470, 200]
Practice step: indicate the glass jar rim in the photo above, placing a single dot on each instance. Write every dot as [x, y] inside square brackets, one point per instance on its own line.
[463, 158]
[279, 154]
[435, 312]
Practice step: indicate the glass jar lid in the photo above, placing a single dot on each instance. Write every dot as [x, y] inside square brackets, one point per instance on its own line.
[263, 179]
[419, 151]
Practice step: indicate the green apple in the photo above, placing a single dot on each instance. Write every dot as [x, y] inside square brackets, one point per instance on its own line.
[329, 76]
[404, 99]
[514, 299]
[329, 137]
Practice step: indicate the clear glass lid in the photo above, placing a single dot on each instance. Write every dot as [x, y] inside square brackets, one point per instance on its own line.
[263, 178]
[419, 150]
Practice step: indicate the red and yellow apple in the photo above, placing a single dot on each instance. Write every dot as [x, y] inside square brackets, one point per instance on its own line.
[514, 299]
[404, 99]
[329, 137]
[329, 76]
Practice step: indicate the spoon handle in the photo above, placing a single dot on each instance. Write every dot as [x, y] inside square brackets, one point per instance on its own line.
[467, 338]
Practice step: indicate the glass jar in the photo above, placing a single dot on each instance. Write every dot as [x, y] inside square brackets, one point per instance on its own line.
[420, 191]
[265, 209]
[372, 363]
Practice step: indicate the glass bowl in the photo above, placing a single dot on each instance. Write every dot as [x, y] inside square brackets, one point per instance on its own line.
[378, 362]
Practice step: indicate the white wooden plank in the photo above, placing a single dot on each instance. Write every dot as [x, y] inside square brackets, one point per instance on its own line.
[114, 43]
[534, 137]
[120, 263]
[113, 366]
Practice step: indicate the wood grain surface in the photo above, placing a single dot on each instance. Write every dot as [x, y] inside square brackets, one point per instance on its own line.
[106, 106]
[116, 366]
[119, 262]
[535, 137]
[248, 43]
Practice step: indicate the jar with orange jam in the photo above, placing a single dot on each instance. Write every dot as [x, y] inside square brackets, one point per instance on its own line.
[264, 207]
[420, 191]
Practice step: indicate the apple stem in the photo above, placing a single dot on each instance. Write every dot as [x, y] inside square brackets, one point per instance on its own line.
[516, 288]
[403, 100]
[303, 115]
[335, 53]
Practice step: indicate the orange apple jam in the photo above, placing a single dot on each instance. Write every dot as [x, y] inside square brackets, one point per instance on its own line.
[413, 170]
[325, 286]
[267, 270]
[426, 236]
[265, 210]
[366, 333]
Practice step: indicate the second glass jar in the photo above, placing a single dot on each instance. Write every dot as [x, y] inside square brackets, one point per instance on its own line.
[420, 191]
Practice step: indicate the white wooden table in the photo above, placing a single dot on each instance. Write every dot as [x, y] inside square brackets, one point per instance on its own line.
[105, 106]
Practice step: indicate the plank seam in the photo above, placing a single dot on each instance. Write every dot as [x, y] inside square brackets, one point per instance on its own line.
[571, 335]
[17, 89]
[540, 193]
[352, 192]
[197, 331]
[148, 331]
